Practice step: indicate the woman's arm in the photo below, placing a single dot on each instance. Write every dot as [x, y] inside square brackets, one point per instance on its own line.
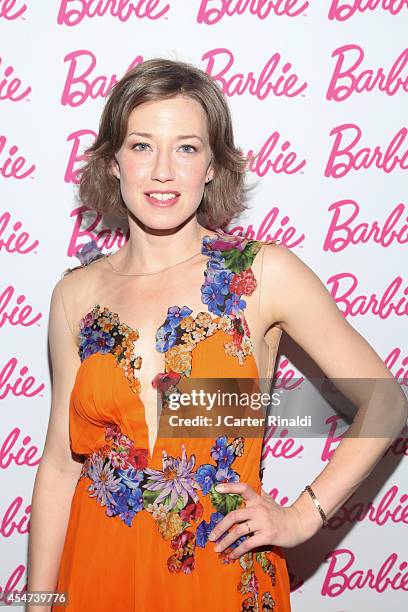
[58, 472]
[294, 296]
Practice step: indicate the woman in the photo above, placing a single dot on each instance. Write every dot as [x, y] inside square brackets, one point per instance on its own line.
[138, 524]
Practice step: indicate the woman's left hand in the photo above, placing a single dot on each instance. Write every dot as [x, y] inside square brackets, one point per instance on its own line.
[270, 523]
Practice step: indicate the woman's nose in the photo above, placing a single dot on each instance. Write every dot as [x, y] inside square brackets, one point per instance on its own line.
[163, 167]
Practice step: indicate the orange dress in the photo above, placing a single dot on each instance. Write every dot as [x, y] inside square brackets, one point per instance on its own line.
[137, 536]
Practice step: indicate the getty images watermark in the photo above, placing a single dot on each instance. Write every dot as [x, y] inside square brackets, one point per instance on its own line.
[207, 407]
[214, 401]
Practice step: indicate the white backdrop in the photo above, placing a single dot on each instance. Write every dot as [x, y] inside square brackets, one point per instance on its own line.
[320, 88]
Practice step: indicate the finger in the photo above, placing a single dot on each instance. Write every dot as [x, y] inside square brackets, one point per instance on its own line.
[241, 488]
[235, 516]
[238, 531]
[249, 544]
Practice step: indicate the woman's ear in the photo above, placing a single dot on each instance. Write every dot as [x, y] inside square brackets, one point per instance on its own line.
[114, 168]
[210, 172]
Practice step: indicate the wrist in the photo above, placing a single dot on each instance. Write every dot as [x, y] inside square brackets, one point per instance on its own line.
[308, 514]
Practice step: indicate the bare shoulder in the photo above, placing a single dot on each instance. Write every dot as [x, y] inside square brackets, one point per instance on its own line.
[77, 286]
[280, 258]
[294, 297]
[290, 289]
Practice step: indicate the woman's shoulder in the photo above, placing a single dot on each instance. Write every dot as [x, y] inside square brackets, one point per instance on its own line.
[288, 283]
[80, 282]
[279, 261]
[87, 254]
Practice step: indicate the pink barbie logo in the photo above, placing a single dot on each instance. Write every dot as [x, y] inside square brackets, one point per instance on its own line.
[15, 519]
[283, 231]
[283, 161]
[398, 447]
[79, 139]
[86, 230]
[342, 574]
[12, 239]
[279, 447]
[12, 9]
[286, 377]
[344, 229]
[341, 10]
[13, 165]
[397, 363]
[81, 82]
[11, 87]
[392, 301]
[73, 12]
[348, 78]
[17, 451]
[18, 314]
[275, 78]
[332, 438]
[15, 383]
[392, 507]
[348, 156]
[212, 11]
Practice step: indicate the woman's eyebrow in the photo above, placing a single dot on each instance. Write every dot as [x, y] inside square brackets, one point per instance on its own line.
[179, 137]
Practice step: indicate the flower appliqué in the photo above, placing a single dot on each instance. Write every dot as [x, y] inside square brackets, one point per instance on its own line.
[124, 485]
[100, 331]
[227, 278]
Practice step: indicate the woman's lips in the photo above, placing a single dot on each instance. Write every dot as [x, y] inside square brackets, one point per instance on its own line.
[160, 203]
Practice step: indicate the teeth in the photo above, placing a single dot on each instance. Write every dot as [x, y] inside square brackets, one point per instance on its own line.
[162, 196]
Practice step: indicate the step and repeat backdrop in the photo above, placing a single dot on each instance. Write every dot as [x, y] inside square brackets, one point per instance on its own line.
[319, 90]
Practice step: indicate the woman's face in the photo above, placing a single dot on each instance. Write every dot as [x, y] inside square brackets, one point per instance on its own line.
[165, 150]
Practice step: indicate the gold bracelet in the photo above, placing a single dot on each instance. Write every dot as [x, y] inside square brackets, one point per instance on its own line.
[317, 504]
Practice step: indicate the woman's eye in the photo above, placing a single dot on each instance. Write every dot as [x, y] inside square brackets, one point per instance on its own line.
[145, 144]
[140, 144]
[189, 147]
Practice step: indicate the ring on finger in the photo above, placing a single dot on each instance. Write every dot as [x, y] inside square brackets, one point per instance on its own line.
[249, 529]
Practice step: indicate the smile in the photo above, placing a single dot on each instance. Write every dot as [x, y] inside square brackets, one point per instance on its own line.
[162, 199]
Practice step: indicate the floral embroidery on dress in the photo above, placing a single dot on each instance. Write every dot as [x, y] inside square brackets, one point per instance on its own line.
[249, 582]
[228, 277]
[116, 472]
[100, 331]
[177, 338]
[123, 483]
[251, 603]
[121, 480]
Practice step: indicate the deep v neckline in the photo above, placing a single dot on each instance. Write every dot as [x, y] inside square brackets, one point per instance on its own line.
[135, 331]
[99, 310]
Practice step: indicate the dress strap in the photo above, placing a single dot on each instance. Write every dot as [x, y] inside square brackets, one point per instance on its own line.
[87, 254]
[228, 278]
